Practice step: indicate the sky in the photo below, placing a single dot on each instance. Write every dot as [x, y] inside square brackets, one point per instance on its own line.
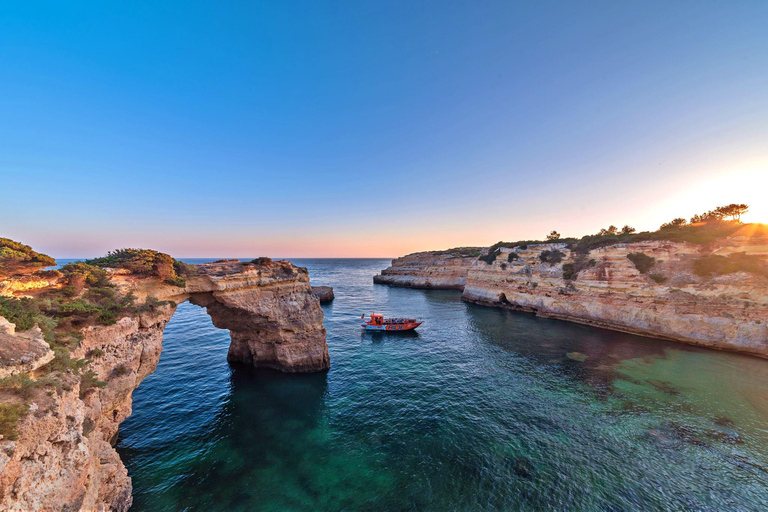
[373, 129]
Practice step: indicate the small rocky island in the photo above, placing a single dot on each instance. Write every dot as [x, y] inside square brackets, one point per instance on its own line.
[75, 342]
[704, 283]
[323, 293]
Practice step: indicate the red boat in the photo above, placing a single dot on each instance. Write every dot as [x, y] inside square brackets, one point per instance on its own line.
[379, 323]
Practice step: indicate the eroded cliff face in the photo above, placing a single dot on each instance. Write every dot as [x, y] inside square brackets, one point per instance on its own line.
[432, 269]
[668, 301]
[63, 459]
[274, 319]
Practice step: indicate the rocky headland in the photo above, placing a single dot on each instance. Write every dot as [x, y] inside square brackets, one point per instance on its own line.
[72, 352]
[431, 269]
[711, 290]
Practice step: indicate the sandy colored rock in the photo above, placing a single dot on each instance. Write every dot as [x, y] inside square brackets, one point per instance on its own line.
[63, 459]
[431, 269]
[21, 352]
[670, 301]
[20, 283]
[323, 293]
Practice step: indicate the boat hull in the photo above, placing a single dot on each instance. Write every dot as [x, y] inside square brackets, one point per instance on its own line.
[391, 327]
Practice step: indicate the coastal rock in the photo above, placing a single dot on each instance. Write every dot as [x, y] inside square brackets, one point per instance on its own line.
[32, 280]
[323, 293]
[669, 301]
[274, 319]
[21, 352]
[63, 458]
[431, 269]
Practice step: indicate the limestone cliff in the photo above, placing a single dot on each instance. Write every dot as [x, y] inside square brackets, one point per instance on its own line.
[60, 456]
[606, 289]
[431, 269]
[274, 319]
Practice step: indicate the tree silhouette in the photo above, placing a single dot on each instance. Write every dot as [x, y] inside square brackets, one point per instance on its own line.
[553, 235]
[734, 211]
[674, 223]
[627, 230]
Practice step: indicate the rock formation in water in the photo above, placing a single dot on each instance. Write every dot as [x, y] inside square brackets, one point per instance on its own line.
[59, 420]
[323, 293]
[431, 269]
[655, 288]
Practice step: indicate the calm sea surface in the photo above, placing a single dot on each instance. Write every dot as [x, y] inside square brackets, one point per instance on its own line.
[481, 409]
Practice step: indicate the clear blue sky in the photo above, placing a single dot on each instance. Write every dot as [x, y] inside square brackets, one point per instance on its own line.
[372, 128]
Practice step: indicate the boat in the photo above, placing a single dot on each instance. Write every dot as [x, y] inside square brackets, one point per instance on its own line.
[377, 322]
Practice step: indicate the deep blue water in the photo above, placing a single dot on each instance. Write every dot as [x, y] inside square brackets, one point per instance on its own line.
[481, 409]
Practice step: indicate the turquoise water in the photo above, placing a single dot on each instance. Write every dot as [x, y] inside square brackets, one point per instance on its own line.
[481, 409]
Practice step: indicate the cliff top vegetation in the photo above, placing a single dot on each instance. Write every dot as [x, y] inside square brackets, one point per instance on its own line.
[461, 252]
[146, 262]
[14, 255]
[702, 228]
[86, 298]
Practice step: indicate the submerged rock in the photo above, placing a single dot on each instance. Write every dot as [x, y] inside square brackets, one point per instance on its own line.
[576, 356]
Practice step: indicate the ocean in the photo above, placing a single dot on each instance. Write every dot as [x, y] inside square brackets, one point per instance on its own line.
[479, 409]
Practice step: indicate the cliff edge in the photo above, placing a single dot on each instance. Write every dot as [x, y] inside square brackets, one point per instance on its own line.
[72, 352]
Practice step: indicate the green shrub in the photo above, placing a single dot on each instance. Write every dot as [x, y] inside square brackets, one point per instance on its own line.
[10, 414]
[151, 304]
[121, 370]
[15, 253]
[94, 276]
[69, 291]
[568, 272]
[177, 281]
[88, 381]
[77, 307]
[512, 257]
[183, 269]
[262, 260]
[642, 262]
[737, 262]
[491, 255]
[96, 352]
[107, 317]
[21, 312]
[657, 277]
[461, 252]
[551, 256]
[23, 385]
[63, 362]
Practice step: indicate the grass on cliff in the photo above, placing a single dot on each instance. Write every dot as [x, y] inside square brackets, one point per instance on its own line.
[10, 414]
[461, 252]
[15, 254]
[709, 265]
[146, 262]
[702, 233]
